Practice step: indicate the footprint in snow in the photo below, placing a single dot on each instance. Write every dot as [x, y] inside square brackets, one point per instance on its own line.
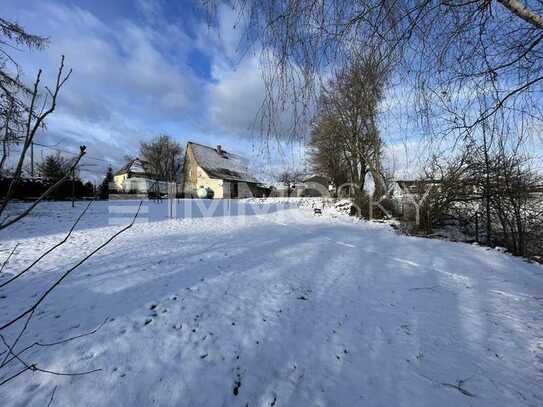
[237, 385]
[405, 329]
[88, 356]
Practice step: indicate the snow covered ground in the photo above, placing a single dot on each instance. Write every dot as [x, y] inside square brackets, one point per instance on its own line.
[256, 304]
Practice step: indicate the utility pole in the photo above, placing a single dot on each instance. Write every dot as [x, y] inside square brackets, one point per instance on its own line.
[31, 159]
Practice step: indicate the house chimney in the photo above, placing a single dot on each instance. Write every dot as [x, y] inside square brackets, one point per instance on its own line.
[219, 149]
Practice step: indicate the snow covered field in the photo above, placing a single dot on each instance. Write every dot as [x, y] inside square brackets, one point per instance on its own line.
[276, 307]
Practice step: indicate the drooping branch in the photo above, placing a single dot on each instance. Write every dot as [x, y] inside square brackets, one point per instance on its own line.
[15, 32]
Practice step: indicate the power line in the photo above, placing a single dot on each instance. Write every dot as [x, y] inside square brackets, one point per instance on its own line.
[68, 152]
[60, 150]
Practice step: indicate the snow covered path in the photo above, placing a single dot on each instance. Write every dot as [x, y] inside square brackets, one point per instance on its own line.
[277, 308]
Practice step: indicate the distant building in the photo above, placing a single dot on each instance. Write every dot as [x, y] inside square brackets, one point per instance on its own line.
[134, 168]
[219, 172]
[133, 178]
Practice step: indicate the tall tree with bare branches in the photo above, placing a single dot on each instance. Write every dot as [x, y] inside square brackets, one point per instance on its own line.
[347, 118]
[327, 155]
[162, 157]
[442, 50]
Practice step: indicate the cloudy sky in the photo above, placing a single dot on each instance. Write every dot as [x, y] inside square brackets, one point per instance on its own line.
[142, 68]
[148, 67]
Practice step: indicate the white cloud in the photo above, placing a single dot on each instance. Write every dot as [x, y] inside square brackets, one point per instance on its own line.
[134, 78]
[127, 81]
[237, 95]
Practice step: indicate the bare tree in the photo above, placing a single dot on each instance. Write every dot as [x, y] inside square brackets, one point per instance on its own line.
[13, 359]
[489, 191]
[35, 119]
[327, 151]
[162, 157]
[441, 50]
[25, 116]
[347, 117]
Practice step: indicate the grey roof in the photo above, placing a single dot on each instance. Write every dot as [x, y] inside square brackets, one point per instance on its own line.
[135, 166]
[221, 166]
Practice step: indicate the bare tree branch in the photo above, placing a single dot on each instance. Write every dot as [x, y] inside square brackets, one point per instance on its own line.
[10, 221]
[62, 341]
[52, 397]
[47, 251]
[69, 271]
[520, 10]
[7, 260]
[33, 123]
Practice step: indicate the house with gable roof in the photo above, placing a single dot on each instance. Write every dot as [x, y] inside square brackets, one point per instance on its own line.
[217, 170]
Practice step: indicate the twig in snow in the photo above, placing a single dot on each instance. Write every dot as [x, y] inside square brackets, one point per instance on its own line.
[459, 388]
[69, 271]
[52, 397]
[72, 338]
[34, 367]
[13, 376]
[28, 314]
[424, 288]
[7, 260]
[19, 336]
[49, 250]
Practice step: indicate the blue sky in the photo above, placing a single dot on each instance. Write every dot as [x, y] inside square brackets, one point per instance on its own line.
[142, 68]
[148, 67]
